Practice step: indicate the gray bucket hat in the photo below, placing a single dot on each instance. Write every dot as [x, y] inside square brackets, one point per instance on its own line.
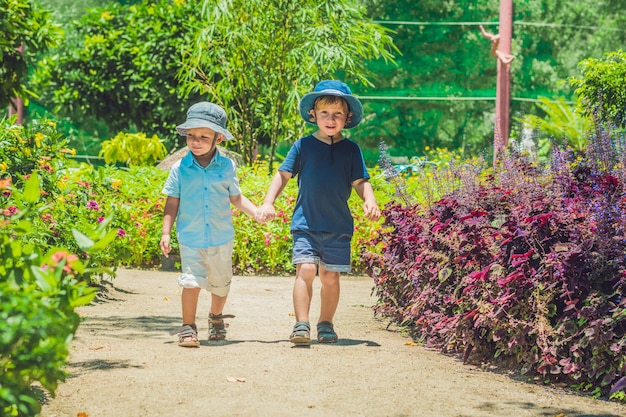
[205, 114]
[332, 88]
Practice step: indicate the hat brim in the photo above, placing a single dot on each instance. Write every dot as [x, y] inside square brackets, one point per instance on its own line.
[308, 100]
[196, 123]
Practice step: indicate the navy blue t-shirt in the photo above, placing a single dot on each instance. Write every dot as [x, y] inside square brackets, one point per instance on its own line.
[324, 186]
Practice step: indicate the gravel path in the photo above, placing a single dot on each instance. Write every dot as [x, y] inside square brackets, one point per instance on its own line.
[124, 362]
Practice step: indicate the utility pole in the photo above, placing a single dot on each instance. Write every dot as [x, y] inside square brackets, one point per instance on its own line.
[503, 87]
[17, 105]
[501, 49]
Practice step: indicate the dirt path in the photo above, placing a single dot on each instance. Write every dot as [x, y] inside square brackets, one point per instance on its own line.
[123, 362]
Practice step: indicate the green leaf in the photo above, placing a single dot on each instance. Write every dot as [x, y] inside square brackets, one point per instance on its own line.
[104, 242]
[82, 240]
[31, 188]
[44, 279]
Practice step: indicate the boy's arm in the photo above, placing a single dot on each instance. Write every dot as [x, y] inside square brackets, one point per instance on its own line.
[266, 211]
[366, 192]
[170, 213]
[242, 203]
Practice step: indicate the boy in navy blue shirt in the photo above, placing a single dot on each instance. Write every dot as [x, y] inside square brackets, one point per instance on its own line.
[327, 166]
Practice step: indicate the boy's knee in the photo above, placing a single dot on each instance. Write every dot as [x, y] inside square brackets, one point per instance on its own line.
[219, 287]
[308, 270]
[330, 278]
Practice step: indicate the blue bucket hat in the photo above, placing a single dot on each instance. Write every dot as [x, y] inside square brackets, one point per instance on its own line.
[332, 88]
[205, 114]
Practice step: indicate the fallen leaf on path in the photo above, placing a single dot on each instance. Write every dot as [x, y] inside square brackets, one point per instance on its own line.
[233, 379]
[81, 414]
[292, 314]
[166, 299]
[410, 344]
[95, 348]
[560, 415]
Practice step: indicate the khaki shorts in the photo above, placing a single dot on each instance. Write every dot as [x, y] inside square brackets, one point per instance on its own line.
[208, 268]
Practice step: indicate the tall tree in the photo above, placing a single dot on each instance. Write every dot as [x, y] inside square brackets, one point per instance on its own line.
[257, 57]
[121, 67]
[27, 28]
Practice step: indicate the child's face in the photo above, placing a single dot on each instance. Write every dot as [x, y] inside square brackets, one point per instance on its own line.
[200, 140]
[331, 117]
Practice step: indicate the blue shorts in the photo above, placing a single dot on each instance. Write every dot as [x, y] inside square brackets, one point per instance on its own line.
[328, 250]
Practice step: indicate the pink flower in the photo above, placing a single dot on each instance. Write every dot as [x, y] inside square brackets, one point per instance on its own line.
[100, 219]
[47, 217]
[69, 258]
[92, 205]
[10, 211]
[121, 233]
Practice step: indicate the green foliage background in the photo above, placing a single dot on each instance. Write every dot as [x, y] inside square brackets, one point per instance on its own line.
[440, 60]
[438, 94]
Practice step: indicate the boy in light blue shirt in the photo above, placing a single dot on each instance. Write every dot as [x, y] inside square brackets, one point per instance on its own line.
[200, 189]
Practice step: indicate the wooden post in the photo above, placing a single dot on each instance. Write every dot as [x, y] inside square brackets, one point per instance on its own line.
[17, 105]
[503, 86]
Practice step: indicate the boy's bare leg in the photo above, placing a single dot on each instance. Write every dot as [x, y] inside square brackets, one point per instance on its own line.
[217, 304]
[303, 290]
[189, 300]
[329, 294]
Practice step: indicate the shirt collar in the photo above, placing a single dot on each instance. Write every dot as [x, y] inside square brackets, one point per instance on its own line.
[188, 159]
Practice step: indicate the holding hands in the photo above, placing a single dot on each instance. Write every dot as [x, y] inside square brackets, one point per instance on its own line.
[265, 212]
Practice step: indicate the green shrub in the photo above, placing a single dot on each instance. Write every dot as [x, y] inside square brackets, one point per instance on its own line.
[39, 289]
[69, 205]
[133, 149]
[602, 88]
[526, 265]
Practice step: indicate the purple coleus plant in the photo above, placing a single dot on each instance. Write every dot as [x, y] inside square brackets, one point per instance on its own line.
[529, 267]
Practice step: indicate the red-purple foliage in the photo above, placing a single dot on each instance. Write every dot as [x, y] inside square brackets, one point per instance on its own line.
[531, 267]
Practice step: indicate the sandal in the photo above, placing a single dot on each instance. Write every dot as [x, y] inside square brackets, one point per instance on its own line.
[217, 327]
[326, 332]
[301, 334]
[188, 336]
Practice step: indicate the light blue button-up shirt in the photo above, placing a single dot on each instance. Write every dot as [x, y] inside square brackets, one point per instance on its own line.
[204, 215]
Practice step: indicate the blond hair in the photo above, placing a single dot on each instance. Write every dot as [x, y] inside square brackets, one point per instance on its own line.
[323, 101]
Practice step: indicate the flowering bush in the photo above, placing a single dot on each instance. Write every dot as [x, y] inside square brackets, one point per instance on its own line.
[39, 289]
[126, 205]
[528, 265]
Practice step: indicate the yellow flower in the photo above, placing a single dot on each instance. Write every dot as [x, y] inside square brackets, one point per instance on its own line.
[116, 184]
[427, 148]
[38, 138]
[3, 166]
